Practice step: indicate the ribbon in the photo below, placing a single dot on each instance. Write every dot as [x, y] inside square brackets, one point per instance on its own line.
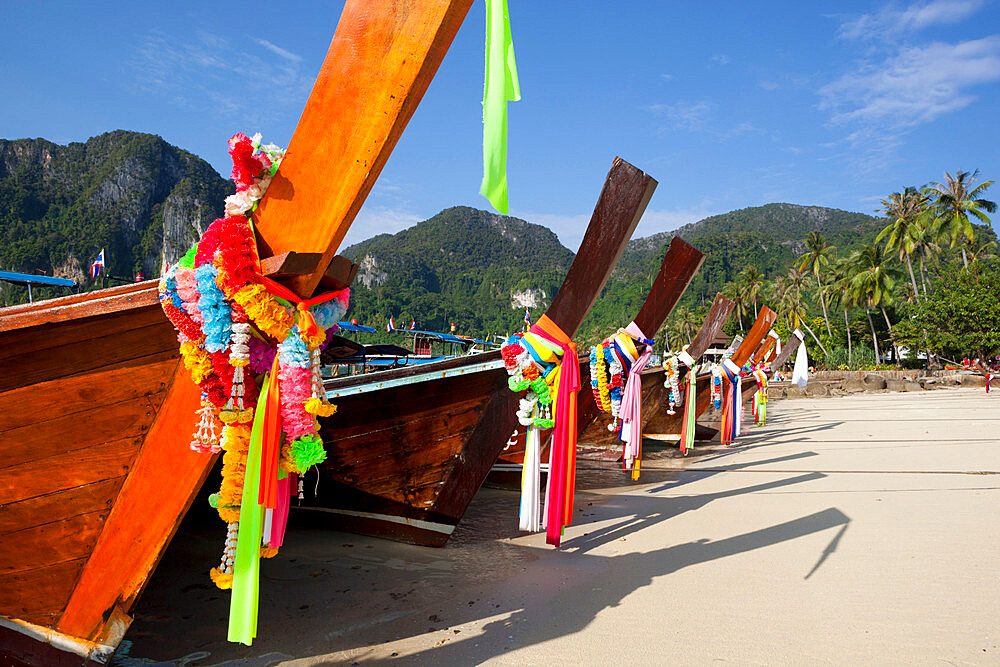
[732, 405]
[631, 409]
[562, 451]
[689, 423]
[530, 516]
[501, 86]
[302, 306]
[246, 565]
[270, 417]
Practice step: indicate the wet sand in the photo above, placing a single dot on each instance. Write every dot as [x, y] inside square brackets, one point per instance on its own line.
[848, 530]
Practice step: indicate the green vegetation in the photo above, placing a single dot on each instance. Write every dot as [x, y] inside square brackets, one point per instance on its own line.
[122, 191]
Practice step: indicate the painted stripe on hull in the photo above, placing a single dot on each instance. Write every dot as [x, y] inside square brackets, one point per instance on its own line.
[443, 528]
[423, 377]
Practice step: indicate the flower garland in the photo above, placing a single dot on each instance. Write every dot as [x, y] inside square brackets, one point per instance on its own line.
[671, 377]
[716, 387]
[229, 324]
[609, 366]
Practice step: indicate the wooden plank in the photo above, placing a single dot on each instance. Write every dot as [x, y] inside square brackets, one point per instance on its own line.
[125, 420]
[623, 200]
[28, 340]
[786, 351]
[763, 350]
[163, 481]
[39, 595]
[77, 306]
[80, 357]
[76, 468]
[54, 542]
[59, 505]
[382, 58]
[78, 394]
[679, 265]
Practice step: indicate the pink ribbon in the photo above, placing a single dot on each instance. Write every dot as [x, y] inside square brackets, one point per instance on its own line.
[631, 408]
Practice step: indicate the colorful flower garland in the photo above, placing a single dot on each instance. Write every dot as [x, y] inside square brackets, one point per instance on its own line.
[230, 322]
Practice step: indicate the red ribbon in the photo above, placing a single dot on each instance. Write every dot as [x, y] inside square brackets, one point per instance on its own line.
[562, 456]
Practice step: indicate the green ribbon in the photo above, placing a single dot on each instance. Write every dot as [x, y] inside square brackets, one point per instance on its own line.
[501, 87]
[246, 567]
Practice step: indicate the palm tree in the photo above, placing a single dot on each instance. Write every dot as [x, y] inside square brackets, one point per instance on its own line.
[983, 253]
[872, 285]
[926, 243]
[841, 279]
[816, 257]
[734, 292]
[954, 200]
[904, 211]
[751, 282]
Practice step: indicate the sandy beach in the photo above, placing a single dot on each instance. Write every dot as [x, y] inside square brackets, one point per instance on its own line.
[855, 530]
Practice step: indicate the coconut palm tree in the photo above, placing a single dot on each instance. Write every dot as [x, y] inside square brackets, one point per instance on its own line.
[983, 253]
[872, 285]
[751, 282]
[816, 257]
[926, 242]
[842, 274]
[954, 200]
[904, 211]
[735, 293]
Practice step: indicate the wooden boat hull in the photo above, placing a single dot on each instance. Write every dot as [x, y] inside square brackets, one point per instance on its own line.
[406, 458]
[90, 417]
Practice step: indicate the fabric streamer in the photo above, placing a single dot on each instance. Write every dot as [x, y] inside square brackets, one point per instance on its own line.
[530, 517]
[689, 423]
[631, 408]
[246, 568]
[732, 406]
[562, 451]
[501, 86]
[275, 537]
[800, 372]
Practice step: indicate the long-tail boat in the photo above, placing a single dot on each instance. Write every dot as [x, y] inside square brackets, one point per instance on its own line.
[679, 265]
[96, 412]
[667, 424]
[409, 447]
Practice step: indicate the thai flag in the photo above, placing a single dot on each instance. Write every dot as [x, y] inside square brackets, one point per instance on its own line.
[97, 266]
[527, 319]
[413, 325]
[391, 325]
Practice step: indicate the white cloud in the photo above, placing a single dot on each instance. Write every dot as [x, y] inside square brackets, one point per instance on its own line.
[915, 86]
[666, 77]
[721, 59]
[769, 85]
[920, 15]
[287, 55]
[193, 71]
[684, 115]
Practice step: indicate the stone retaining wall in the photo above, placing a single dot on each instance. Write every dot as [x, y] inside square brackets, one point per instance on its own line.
[852, 382]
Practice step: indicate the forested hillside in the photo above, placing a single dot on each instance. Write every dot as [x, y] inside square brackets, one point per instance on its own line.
[141, 199]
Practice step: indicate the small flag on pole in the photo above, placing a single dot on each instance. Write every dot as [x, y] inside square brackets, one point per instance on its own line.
[413, 324]
[97, 266]
[391, 325]
[527, 319]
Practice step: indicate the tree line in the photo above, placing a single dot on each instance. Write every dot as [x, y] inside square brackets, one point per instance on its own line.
[930, 276]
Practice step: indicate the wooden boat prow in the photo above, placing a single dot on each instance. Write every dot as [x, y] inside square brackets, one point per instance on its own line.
[96, 411]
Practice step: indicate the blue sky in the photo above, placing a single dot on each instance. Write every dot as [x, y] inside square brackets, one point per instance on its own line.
[726, 104]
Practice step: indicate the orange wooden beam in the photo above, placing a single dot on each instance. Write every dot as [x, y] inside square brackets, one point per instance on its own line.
[382, 58]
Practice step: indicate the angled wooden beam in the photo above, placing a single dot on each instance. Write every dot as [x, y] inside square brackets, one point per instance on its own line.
[793, 344]
[677, 270]
[382, 58]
